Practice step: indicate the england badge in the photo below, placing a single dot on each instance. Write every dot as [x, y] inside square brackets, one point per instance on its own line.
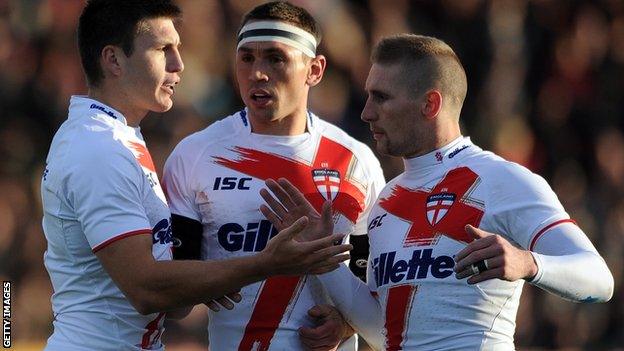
[327, 182]
[438, 205]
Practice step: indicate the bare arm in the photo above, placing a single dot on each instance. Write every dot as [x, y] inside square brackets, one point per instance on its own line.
[153, 286]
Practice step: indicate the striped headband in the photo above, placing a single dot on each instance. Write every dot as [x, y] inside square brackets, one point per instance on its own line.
[278, 31]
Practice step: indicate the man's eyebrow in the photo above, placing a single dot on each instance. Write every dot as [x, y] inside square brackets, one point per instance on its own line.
[377, 92]
[273, 51]
[263, 51]
[167, 42]
[244, 49]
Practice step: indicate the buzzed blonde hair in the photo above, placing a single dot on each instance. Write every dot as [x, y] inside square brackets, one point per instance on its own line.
[429, 63]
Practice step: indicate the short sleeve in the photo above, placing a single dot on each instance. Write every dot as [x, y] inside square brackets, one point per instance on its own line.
[176, 178]
[522, 205]
[106, 192]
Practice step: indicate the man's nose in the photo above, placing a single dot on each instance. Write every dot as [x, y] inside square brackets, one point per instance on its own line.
[258, 72]
[368, 113]
[175, 64]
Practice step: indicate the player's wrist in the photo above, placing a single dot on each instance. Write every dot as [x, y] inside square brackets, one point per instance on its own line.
[261, 265]
[347, 330]
[533, 267]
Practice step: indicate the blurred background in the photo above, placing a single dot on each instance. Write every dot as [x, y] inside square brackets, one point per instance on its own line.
[546, 90]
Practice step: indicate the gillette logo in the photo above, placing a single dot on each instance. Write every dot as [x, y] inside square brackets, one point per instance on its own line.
[388, 270]
[251, 238]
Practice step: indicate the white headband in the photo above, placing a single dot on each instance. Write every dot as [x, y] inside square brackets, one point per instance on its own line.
[278, 31]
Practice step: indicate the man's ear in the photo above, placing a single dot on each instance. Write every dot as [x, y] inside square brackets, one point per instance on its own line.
[112, 60]
[432, 104]
[317, 68]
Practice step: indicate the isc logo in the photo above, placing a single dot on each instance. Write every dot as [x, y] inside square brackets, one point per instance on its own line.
[229, 183]
[376, 222]
[234, 237]
[161, 233]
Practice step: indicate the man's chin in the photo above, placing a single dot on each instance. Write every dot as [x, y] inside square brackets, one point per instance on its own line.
[384, 150]
[266, 114]
[163, 106]
[381, 148]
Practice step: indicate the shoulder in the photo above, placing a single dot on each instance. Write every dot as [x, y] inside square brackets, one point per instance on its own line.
[92, 158]
[501, 176]
[196, 144]
[496, 169]
[360, 150]
[96, 144]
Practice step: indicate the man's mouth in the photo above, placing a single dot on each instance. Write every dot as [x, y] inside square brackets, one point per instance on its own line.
[377, 134]
[260, 96]
[169, 88]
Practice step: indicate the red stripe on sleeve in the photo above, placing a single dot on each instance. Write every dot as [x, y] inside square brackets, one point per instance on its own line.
[546, 228]
[119, 237]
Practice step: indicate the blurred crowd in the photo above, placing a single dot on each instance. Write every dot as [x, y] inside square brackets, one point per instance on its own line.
[546, 90]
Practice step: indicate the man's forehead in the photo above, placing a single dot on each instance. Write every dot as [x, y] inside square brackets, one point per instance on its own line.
[380, 74]
[159, 30]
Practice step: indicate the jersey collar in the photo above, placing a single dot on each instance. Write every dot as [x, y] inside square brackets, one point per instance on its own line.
[81, 106]
[437, 157]
[244, 123]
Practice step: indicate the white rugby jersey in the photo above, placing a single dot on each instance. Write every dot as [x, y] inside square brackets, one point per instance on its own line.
[99, 186]
[214, 177]
[417, 226]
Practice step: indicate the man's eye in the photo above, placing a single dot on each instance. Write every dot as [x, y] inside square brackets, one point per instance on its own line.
[247, 58]
[379, 97]
[276, 59]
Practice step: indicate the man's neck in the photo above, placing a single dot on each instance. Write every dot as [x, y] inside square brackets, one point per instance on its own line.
[294, 124]
[117, 100]
[441, 135]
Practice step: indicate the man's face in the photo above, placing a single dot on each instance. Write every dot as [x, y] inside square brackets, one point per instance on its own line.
[152, 71]
[393, 111]
[272, 79]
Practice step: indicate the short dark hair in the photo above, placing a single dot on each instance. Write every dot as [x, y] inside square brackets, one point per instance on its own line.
[429, 62]
[285, 12]
[115, 22]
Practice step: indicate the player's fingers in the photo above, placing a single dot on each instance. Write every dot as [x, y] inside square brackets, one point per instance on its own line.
[317, 311]
[295, 195]
[326, 215]
[280, 193]
[474, 257]
[489, 263]
[225, 302]
[324, 265]
[332, 250]
[272, 217]
[273, 203]
[474, 246]
[312, 342]
[324, 269]
[312, 332]
[291, 231]
[321, 243]
[476, 233]
[235, 296]
[487, 275]
[213, 306]
[322, 333]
